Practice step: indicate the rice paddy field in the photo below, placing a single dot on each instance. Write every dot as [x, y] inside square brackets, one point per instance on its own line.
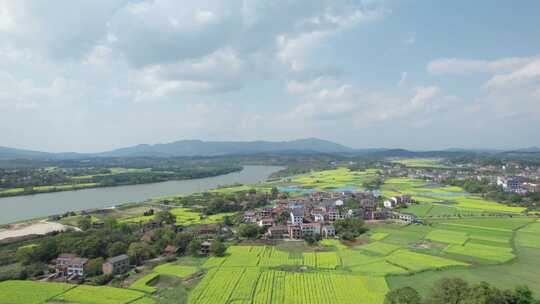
[500, 250]
[184, 216]
[340, 179]
[181, 271]
[421, 163]
[392, 256]
[443, 201]
[31, 292]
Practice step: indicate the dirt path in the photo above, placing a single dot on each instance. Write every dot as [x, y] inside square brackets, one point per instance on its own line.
[40, 228]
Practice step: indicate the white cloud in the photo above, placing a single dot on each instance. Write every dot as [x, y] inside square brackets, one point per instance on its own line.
[423, 95]
[528, 74]
[467, 66]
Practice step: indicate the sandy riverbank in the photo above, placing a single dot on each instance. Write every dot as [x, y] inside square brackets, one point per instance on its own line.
[37, 228]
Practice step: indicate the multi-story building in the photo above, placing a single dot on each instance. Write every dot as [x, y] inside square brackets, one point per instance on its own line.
[116, 265]
[70, 264]
[297, 216]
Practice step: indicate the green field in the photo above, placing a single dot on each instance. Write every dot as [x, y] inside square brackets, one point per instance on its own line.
[255, 285]
[497, 257]
[421, 163]
[184, 216]
[341, 178]
[31, 292]
[443, 201]
[169, 269]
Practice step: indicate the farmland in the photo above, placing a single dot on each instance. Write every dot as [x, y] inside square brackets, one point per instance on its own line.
[184, 216]
[438, 201]
[337, 179]
[421, 163]
[17, 292]
[169, 269]
[394, 255]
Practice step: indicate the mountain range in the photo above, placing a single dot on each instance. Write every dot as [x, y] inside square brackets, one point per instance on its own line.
[188, 148]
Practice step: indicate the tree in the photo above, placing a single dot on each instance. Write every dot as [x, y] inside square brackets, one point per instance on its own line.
[349, 228]
[182, 240]
[523, 295]
[249, 231]
[405, 295]
[165, 217]
[448, 291]
[227, 220]
[116, 248]
[218, 249]
[85, 223]
[139, 251]
[94, 267]
[110, 223]
[483, 293]
[282, 218]
[194, 247]
[274, 193]
[27, 254]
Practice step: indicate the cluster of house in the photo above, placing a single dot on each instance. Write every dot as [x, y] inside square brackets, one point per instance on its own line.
[70, 266]
[517, 184]
[315, 213]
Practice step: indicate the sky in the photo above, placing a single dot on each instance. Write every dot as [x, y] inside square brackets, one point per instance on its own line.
[89, 76]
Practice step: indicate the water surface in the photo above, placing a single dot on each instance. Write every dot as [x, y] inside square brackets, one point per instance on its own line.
[19, 208]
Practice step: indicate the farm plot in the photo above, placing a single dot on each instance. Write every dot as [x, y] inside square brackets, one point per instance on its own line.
[503, 276]
[379, 248]
[529, 236]
[184, 216]
[341, 178]
[416, 261]
[217, 286]
[484, 252]
[379, 268]
[327, 260]
[377, 236]
[447, 236]
[479, 233]
[314, 288]
[244, 289]
[84, 294]
[403, 236]
[30, 292]
[164, 269]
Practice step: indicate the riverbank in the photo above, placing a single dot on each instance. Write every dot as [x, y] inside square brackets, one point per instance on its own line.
[79, 186]
[20, 208]
[32, 228]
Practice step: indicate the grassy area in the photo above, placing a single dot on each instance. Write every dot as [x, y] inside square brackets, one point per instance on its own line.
[422, 163]
[29, 292]
[338, 179]
[242, 188]
[12, 191]
[84, 294]
[184, 216]
[443, 201]
[169, 269]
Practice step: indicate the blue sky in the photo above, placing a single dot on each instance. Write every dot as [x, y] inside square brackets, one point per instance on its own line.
[96, 75]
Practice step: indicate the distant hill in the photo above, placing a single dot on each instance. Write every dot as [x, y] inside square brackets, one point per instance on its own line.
[192, 148]
[11, 153]
[526, 150]
[189, 148]
[214, 148]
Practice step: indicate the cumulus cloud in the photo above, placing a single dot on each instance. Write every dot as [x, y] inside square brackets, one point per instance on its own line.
[460, 66]
[525, 75]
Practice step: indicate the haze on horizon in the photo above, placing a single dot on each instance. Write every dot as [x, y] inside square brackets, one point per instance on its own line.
[89, 76]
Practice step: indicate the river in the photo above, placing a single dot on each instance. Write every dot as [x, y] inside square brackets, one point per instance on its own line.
[20, 208]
